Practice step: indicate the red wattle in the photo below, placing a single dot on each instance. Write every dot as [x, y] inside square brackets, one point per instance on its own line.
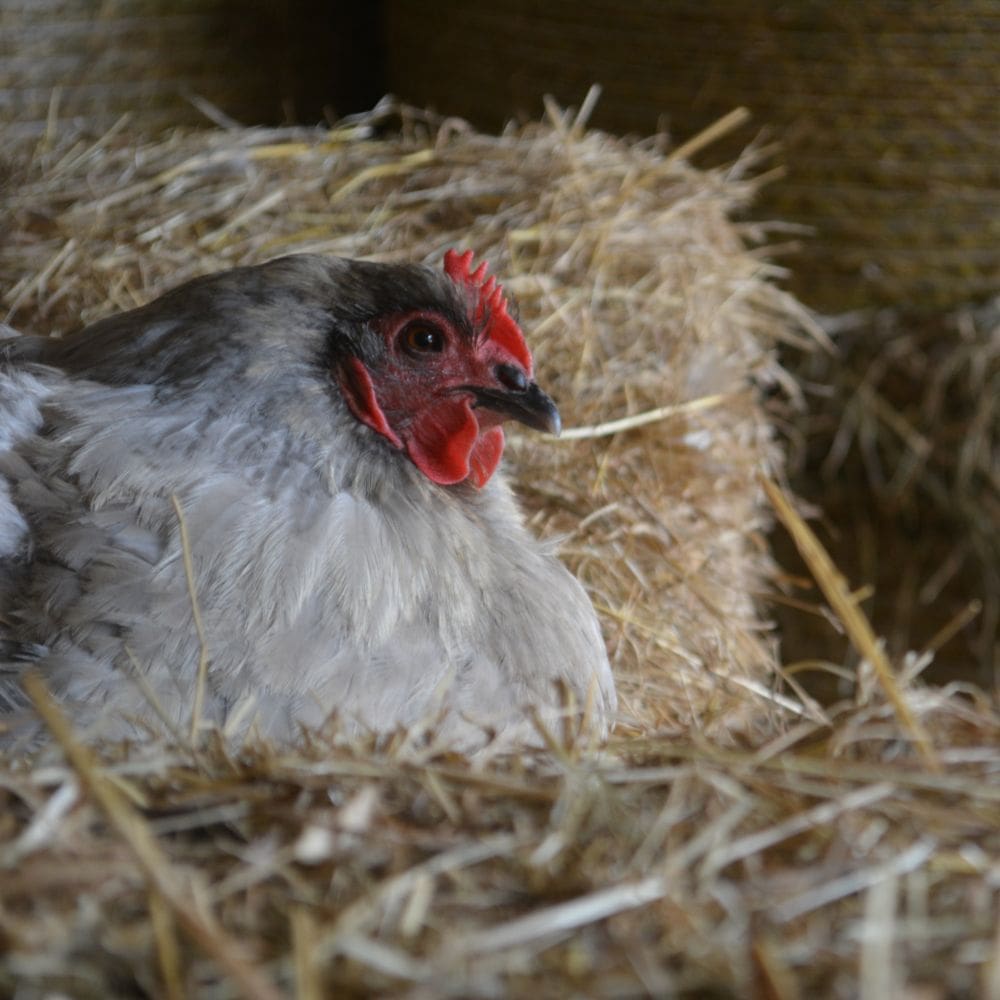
[486, 454]
[441, 439]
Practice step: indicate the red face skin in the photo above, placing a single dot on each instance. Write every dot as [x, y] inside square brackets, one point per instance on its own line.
[419, 399]
[442, 397]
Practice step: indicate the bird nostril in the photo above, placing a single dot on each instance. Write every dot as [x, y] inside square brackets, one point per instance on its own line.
[512, 378]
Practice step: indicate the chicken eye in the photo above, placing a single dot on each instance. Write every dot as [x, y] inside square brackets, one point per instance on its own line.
[422, 338]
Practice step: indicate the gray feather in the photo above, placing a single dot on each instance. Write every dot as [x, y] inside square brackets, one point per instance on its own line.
[331, 575]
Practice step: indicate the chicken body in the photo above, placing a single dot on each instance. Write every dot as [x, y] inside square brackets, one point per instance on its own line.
[352, 551]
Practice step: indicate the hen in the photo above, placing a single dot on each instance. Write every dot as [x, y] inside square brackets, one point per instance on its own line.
[320, 437]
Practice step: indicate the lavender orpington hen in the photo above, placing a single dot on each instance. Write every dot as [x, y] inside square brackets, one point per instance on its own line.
[330, 430]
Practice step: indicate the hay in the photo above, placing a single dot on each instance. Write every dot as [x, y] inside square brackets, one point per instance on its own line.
[729, 841]
[903, 449]
[637, 292]
[826, 862]
[886, 117]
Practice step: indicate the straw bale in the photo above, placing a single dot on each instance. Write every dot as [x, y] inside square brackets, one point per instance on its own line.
[903, 453]
[636, 289]
[885, 117]
[827, 862]
[844, 851]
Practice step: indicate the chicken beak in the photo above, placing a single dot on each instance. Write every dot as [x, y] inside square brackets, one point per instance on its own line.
[530, 406]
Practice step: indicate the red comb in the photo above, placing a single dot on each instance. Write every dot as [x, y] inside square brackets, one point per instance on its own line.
[491, 305]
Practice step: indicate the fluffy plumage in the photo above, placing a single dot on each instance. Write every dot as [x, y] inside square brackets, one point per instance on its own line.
[352, 551]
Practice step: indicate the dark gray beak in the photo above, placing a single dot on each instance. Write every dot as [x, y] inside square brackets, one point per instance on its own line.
[528, 405]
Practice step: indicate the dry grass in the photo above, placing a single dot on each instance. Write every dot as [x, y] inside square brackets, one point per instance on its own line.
[903, 453]
[731, 840]
[636, 290]
[827, 861]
